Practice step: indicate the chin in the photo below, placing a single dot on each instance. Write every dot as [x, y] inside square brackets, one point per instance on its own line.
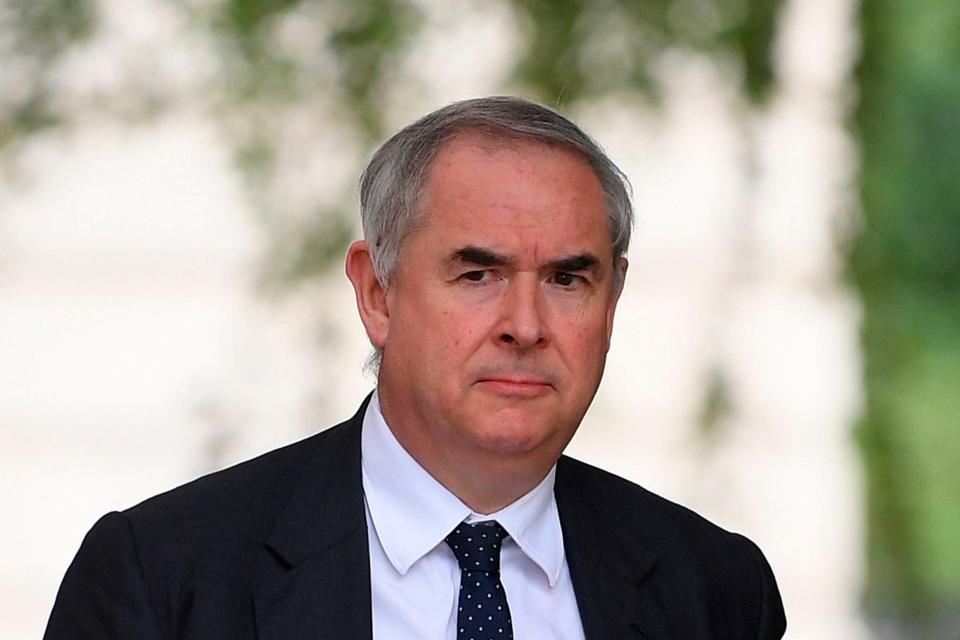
[515, 434]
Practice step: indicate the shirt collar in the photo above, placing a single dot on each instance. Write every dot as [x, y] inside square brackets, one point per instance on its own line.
[412, 513]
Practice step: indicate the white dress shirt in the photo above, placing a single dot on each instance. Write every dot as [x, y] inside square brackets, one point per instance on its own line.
[415, 578]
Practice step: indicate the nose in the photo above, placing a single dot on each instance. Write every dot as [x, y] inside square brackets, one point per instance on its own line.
[522, 320]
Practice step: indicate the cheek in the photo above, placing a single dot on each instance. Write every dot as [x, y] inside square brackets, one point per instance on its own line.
[463, 327]
[584, 339]
[461, 337]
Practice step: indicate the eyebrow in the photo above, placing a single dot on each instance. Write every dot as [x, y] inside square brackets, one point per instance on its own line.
[580, 262]
[480, 256]
[488, 258]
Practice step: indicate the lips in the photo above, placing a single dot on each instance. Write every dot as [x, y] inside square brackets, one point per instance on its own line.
[518, 386]
[511, 380]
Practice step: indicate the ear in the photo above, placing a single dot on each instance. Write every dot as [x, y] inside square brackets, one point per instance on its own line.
[621, 279]
[371, 296]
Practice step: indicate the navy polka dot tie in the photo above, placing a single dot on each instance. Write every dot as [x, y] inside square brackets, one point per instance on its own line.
[482, 611]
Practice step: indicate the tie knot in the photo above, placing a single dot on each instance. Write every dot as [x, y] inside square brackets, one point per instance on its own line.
[477, 546]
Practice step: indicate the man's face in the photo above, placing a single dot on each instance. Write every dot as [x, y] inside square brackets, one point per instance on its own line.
[501, 307]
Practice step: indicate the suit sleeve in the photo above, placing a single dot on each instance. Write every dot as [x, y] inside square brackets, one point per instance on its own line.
[771, 620]
[103, 595]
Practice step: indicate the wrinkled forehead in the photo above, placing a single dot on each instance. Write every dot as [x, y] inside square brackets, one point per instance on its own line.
[514, 196]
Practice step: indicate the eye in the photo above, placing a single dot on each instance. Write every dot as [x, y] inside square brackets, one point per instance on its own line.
[565, 279]
[476, 276]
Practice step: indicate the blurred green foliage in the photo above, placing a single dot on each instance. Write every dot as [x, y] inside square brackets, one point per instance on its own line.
[364, 41]
[575, 50]
[906, 264]
[364, 37]
[587, 48]
[33, 38]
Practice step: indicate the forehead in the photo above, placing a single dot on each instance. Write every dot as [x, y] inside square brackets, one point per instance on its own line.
[518, 195]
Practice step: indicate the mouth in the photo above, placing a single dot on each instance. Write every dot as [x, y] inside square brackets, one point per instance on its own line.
[515, 386]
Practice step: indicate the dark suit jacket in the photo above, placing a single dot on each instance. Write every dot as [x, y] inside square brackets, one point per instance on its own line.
[276, 549]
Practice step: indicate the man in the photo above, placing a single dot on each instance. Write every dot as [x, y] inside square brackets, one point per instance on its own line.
[495, 235]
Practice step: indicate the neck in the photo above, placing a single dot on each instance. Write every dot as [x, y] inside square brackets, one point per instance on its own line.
[488, 491]
[485, 480]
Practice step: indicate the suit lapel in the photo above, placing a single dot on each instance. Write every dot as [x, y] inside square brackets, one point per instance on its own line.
[315, 583]
[610, 575]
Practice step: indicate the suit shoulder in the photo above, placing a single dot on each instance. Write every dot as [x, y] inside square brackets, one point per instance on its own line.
[247, 494]
[722, 572]
[660, 521]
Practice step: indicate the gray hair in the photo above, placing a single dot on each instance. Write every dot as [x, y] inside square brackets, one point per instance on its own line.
[392, 184]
